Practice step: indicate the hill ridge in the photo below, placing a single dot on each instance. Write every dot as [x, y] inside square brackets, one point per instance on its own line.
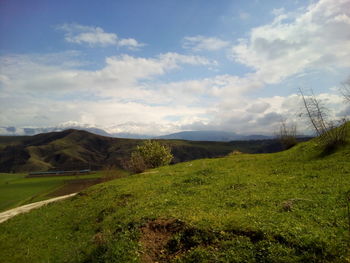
[79, 149]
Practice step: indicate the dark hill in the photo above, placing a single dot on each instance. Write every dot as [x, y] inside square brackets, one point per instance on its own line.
[77, 149]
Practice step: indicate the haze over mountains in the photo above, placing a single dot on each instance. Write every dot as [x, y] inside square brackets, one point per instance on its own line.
[219, 136]
[203, 135]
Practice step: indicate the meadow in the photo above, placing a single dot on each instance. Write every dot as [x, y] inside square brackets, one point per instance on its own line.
[290, 206]
[17, 190]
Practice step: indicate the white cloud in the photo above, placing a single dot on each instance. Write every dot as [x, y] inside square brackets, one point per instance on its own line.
[122, 76]
[95, 37]
[34, 91]
[130, 106]
[263, 115]
[258, 107]
[200, 43]
[130, 43]
[244, 15]
[319, 39]
[126, 95]
[278, 11]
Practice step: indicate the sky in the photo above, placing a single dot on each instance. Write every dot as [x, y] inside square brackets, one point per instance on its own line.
[163, 66]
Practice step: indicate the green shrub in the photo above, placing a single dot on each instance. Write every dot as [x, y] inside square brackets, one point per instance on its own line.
[149, 155]
[136, 163]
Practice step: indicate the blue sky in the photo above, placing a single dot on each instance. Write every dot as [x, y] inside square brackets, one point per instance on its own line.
[157, 67]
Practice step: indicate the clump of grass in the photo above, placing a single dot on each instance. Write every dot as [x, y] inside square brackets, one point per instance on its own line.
[235, 152]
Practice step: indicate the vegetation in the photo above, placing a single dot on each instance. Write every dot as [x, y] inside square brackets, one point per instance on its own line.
[331, 133]
[16, 190]
[149, 155]
[287, 135]
[282, 207]
[345, 90]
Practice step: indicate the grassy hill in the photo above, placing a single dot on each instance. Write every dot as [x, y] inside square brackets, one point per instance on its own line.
[282, 207]
[17, 189]
[75, 149]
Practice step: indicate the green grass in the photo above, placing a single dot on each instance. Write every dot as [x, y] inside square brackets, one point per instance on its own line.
[282, 207]
[16, 190]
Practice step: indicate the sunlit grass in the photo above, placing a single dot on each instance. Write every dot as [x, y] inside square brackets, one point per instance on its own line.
[16, 190]
[282, 207]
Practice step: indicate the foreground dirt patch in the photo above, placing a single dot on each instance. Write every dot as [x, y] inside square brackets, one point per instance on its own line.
[155, 235]
[74, 186]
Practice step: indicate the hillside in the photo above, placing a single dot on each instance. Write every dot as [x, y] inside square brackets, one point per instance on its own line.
[282, 207]
[76, 149]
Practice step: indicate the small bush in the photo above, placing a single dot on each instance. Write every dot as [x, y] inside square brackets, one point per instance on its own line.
[136, 163]
[335, 135]
[235, 152]
[287, 135]
[149, 155]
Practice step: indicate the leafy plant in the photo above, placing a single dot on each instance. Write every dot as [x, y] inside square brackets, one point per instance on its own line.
[151, 154]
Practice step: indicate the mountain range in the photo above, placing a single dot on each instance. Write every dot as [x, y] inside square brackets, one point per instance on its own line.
[77, 149]
[218, 136]
[210, 135]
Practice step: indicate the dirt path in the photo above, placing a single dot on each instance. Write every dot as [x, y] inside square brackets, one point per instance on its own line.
[26, 208]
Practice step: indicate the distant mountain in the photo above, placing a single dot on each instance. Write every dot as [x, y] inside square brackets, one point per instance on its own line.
[77, 149]
[254, 137]
[219, 136]
[127, 135]
[13, 131]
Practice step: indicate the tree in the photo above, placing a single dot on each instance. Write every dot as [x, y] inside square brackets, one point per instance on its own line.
[330, 133]
[316, 112]
[151, 154]
[345, 90]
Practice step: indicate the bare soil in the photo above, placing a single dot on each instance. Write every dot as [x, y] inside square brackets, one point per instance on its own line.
[74, 186]
[155, 236]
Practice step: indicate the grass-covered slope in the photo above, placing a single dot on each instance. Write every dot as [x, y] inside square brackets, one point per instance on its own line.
[281, 207]
[17, 189]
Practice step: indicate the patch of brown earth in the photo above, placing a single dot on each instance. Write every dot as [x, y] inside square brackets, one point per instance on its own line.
[155, 235]
[74, 186]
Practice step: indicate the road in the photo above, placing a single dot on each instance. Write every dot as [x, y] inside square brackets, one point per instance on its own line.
[26, 208]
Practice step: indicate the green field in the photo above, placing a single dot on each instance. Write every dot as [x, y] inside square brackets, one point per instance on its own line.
[283, 207]
[16, 190]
